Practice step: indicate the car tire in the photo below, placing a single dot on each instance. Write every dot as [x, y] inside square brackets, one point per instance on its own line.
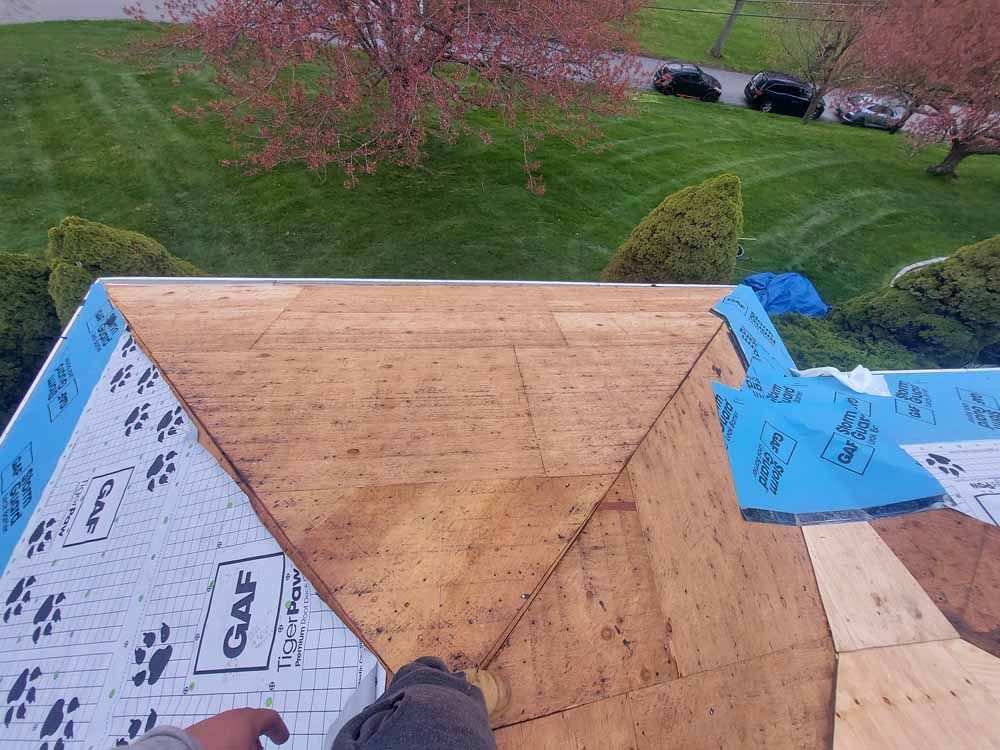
[710, 98]
[766, 105]
[817, 114]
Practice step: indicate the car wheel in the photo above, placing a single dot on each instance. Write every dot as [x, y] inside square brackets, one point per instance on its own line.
[710, 98]
[766, 106]
[817, 114]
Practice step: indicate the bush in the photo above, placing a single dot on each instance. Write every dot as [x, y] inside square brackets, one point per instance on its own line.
[80, 250]
[896, 315]
[818, 342]
[965, 287]
[28, 326]
[691, 237]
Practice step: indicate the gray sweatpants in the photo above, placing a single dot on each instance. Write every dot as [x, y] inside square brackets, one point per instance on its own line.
[425, 707]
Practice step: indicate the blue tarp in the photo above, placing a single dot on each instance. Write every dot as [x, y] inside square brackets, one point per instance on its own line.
[787, 293]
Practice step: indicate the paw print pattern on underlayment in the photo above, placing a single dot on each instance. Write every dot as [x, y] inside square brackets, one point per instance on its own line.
[169, 423]
[136, 418]
[154, 662]
[18, 597]
[944, 464]
[40, 537]
[21, 693]
[48, 614]
[59, 724]
[120, 378]
[136, 727]
[128, 346]
[148, 380]
[160, 470]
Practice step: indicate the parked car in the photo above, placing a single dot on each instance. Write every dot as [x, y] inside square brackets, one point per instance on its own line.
[684, 79]
[870, 112]
[780, 92]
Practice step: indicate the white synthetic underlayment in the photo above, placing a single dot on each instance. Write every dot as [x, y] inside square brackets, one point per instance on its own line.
[146, 590]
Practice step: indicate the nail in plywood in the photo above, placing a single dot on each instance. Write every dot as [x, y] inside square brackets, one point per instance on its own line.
[590, 406]
[603, 725]
[203, 318]
[434, 568]
[781, 700]
[957, 561]
[870, 597]
[915, 695]
[595, 629]
[732, 590]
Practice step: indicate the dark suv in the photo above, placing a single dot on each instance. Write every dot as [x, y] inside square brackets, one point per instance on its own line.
[780, 92]
[684, 79]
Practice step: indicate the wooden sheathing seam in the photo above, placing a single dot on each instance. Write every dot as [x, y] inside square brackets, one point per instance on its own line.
[491, 654]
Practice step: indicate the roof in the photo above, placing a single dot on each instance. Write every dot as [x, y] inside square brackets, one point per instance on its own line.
[531, 477]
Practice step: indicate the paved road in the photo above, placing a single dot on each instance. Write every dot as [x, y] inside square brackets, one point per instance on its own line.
[19, 11]
[732, 82]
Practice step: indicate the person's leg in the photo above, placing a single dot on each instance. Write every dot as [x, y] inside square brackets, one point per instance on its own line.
[425, 707]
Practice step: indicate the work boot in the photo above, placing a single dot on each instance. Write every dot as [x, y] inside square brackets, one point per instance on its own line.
[495, 689]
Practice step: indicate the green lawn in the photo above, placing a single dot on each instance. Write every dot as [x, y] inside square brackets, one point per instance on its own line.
[751, 46]
[84, 134]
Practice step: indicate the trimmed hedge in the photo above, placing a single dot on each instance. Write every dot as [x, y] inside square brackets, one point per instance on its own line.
[894, 315]
[947, 312]
[80, 250]
[28, 326]
[818, 342]
[965, 287]
[691, 237]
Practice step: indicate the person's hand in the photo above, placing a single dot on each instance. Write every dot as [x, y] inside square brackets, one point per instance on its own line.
[240, 729]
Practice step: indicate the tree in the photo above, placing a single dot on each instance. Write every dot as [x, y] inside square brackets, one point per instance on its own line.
[358, 83]
[943, 58]
[720, 43]
[820, 46]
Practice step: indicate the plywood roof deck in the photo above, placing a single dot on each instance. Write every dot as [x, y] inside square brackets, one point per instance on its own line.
[531, 478]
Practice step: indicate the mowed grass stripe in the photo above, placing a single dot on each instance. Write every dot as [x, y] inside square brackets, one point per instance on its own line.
[118, 154]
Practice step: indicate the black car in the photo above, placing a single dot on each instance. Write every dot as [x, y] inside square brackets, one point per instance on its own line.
[782, 93]
[684, 79]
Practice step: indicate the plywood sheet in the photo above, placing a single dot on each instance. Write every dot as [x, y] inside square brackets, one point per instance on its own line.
[590, 406]
[633, 298]
[603, 725]
[421, 298]
[916, 695]
[436, 568]
[297, 420]
[595, 629]
[870, 598]
[732, 590]
[203, 318]
[782, 700]
[322, 331]
[389, 436]
[957, 561]
[663, 328]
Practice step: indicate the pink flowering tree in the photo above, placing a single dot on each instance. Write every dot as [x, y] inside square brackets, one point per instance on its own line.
[361, 83]
[942, 57]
